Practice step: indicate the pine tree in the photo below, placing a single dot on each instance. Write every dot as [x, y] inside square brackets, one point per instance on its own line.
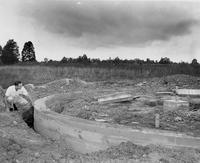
[10, 53]
[28, 52]
[194, 62]
[1, 50]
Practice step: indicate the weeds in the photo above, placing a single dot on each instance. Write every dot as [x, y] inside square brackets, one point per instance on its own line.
[37, 74]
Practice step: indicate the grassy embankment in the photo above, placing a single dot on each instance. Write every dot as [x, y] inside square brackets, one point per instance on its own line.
[43, 74]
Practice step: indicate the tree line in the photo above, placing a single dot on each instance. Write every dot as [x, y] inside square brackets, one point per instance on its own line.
[84, 60]
[9, 54]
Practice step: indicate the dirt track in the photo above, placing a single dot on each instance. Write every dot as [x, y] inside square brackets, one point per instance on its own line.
[19, 143]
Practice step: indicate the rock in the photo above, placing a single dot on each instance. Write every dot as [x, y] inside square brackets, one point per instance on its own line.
[87, 108]
[42, 86]
[37, 154]
[15, 122]
[103, 115]
[17, 161]
[151, 102]
[178, 119]
[123, 122]
[139, 84]
[56, 156]
[135, 123]
[100, 120]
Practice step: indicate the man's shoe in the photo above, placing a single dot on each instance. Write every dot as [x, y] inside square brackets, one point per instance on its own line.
[15, 108]
[11, 109]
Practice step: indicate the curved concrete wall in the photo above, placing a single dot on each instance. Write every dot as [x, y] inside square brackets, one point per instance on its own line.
[88, 136]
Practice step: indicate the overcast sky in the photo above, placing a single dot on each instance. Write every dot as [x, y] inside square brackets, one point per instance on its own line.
[103, 29]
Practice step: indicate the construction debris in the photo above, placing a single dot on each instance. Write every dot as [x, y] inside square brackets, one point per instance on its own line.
[117, 97]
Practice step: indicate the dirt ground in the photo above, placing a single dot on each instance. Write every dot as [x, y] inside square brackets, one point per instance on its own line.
[21, 144]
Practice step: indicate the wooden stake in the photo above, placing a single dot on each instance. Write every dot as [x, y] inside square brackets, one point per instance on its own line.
[157, 120]
[176, 93]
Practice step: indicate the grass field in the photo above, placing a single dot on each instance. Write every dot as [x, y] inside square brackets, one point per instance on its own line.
[43, 74]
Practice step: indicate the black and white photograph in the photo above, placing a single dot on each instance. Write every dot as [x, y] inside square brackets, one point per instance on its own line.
[99, 81]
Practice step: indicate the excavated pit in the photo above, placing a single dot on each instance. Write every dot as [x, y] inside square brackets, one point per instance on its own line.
[28, 117]
[87, 136]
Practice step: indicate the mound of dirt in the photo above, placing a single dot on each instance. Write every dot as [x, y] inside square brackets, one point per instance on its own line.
[180, 80]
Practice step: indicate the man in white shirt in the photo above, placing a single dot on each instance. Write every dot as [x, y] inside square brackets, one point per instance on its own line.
[15, 95]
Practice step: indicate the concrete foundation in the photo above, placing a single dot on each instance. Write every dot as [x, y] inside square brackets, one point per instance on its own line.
[170, 105]
[89, 136]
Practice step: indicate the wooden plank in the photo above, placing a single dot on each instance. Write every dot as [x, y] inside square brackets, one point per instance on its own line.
[188, 91]
[168, 93]
[117, 97]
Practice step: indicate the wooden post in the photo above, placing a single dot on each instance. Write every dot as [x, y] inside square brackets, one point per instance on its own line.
[176, 93]
[157, 120]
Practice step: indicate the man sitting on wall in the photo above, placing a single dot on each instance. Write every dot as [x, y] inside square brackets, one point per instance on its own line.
[16, 95]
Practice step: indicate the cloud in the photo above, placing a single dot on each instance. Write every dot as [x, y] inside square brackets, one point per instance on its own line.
[111, 23]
